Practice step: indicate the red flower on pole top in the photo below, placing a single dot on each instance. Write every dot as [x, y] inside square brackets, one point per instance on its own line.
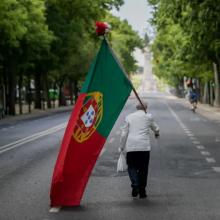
[102, 28]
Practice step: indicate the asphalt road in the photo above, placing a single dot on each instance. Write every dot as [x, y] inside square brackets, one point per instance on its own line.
[184, 175]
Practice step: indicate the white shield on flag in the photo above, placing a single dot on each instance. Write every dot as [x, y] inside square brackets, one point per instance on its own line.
[88, 116]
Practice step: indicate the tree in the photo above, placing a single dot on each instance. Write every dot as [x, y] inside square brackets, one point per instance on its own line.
[124, 41]
[52, 43]
[76, 42]
[198, 24]
[24, 36]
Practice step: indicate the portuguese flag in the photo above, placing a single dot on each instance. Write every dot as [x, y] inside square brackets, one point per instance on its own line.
[100, 102]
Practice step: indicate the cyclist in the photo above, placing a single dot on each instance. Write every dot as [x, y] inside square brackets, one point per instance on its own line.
[193, 98]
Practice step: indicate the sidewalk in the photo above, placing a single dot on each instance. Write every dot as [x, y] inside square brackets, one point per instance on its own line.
[36, 113]
[212, 113]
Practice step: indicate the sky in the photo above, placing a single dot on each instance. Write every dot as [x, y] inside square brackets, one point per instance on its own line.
[137, 13]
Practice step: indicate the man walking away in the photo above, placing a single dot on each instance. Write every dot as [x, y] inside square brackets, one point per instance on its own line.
[135, 140]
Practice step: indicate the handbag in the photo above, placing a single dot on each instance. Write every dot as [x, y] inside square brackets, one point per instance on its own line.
[121, 165]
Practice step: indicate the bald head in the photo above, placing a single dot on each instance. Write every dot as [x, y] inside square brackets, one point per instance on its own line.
[140, 107]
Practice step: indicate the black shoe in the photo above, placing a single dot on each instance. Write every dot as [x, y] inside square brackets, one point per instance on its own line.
[143, 196]
[134, 192]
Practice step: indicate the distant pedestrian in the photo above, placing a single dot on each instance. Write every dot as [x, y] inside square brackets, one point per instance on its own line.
[135, 140]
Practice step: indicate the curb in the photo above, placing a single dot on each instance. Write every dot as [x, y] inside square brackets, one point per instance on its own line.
[35, 114]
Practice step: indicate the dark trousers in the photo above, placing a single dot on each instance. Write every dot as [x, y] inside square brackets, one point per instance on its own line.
[138, 162]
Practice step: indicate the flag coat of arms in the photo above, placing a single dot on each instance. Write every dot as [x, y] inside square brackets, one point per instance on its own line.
[99, 104]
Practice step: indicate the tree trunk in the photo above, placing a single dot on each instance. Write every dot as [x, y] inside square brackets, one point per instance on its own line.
[205, 98]
[54, 95]
[11, 90]
[76, 90]
[217, 85]
[5, 86]
[29, 98]
[71, 92]
[37, 78]
[20, 80]
[61, 96]
[211, 93]
[46, 91]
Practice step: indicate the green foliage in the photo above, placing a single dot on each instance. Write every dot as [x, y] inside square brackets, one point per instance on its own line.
[124, 41]
[54, 41]
[187, 40]
[136, 80]
[13, 16]
[22, 20]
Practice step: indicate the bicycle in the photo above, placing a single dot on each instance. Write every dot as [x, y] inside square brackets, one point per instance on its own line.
[194, 105]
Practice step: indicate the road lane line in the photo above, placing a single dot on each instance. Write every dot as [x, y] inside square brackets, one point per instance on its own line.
[190, 134]
[210, 160]
[217, 140]
[216, 169]
[33, 135]
[205, 153]
[175, 115]
[54, 209]
[200, 147]
[30, 138]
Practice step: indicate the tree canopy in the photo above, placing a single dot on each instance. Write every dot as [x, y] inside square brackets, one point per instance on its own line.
[187, 40]
[52, 43]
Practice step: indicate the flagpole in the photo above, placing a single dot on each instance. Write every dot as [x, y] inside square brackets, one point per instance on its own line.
[125, 73]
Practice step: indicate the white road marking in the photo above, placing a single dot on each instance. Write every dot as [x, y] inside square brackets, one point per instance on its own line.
[206, 153]
[30, 138]
[193, 138]
[196, 142]
[216, 169]
[217, 140]
[175, 115]
[200, 147]
[54, 209]
[210, 160]
[190, 134]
